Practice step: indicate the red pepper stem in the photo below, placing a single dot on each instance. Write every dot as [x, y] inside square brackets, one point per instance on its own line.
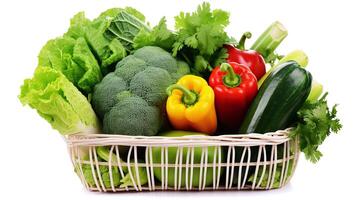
[188, 98]
[231, 79]
[241, 44]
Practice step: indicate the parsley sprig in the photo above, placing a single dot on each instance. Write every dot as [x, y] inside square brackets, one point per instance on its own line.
[315, 122]
[198, 38]
[201, 36]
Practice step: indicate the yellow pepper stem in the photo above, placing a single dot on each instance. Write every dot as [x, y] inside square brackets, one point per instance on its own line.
[188, 98]
[231, 79]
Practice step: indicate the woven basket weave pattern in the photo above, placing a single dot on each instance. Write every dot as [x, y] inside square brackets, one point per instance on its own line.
[272, 167]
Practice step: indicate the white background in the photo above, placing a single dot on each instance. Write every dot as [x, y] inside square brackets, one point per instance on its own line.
[34, 162]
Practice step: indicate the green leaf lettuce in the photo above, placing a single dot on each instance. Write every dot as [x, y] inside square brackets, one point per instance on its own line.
[74, 59]
[107, 52]
[58, 101]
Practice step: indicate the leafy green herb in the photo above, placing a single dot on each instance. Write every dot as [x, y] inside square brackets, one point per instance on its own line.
[160, 36]
[202, 30]
[200, 33]
[219, 57]
[315, 122]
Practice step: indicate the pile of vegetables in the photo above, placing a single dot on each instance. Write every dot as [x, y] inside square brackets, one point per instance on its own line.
[116, 74]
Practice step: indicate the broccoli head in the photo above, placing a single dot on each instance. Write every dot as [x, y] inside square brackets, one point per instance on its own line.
[104, 95]
[157, 57]
[130, 100]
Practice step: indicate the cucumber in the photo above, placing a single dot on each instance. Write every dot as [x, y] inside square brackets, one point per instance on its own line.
[274, 108]
[279, 98]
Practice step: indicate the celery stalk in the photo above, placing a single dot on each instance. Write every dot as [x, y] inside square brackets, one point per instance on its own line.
[297, 55]
[270, 40]
[316, 91]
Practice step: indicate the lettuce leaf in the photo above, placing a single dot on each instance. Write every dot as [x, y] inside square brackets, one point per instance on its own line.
[107, 52]
[74, 59]
[58, 101]
[78, 25]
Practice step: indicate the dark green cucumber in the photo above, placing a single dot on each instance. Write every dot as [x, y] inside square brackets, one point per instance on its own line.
[278, 99]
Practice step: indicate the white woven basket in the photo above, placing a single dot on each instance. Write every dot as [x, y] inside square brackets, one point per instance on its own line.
[270, 168]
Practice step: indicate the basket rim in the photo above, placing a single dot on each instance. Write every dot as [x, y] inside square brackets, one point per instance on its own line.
[251, 139]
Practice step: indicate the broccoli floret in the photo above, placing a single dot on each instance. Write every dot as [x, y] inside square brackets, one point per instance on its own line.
[129, 66]
[151, 85]
[182, 69]
[132, 115]
[104, 95]
[157, 57]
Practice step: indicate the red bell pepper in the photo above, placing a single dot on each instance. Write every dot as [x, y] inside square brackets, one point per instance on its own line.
[235, 87]
[250, 58]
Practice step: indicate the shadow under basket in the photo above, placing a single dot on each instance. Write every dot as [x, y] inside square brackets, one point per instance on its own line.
[119, 163]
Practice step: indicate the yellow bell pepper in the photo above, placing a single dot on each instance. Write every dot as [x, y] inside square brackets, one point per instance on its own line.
[190, 105]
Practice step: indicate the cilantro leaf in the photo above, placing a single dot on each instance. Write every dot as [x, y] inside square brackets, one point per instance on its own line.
[219, 57]
[201, 33]
[315, 121]
[203, 29]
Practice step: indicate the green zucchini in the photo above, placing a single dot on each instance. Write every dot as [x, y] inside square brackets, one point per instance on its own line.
[279, 98]
[275, 106]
